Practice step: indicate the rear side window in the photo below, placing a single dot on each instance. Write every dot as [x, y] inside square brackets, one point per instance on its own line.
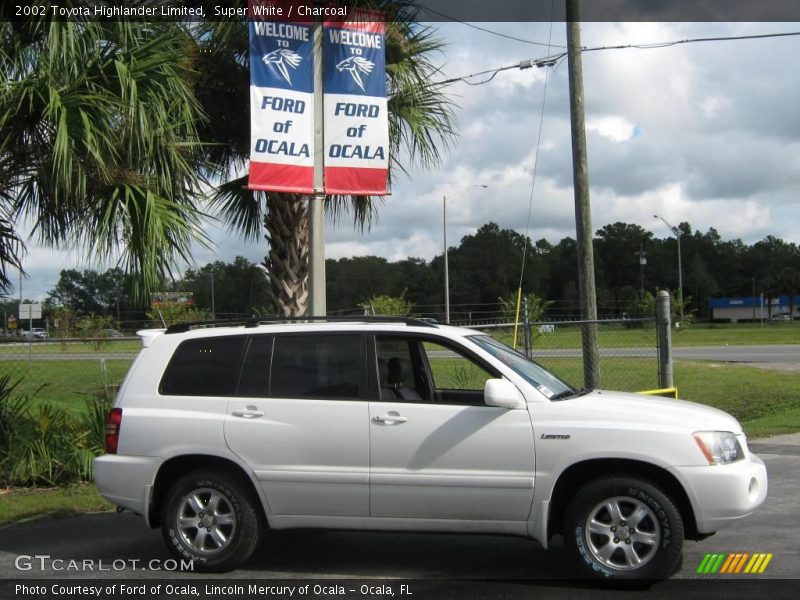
[307, 366]
[204, 367]
[254, 382]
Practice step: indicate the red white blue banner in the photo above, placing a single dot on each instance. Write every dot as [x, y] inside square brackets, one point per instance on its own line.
[281, 106]
[356, 126]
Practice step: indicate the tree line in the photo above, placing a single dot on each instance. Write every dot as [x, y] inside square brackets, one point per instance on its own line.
[484, 267]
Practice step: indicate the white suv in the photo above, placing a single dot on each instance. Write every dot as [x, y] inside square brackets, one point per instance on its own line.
[403, 425]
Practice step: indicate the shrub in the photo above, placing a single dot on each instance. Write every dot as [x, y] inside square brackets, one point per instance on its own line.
[47, 445]
[395, 306]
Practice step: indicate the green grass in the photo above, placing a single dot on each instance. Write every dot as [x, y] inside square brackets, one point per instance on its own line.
[111, 346]
[765, 402]
[569, 336]
[64, 383]
[27, 504]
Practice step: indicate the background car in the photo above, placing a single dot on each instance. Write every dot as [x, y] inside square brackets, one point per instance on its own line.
[37, 333]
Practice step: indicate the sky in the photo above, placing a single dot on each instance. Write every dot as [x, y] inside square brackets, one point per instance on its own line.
[707, 133]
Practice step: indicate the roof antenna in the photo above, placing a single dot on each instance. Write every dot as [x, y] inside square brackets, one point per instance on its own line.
[160, 316]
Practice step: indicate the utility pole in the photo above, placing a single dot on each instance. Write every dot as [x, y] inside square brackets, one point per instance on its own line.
[642, 255]
[317, 305]
[446, 267]
[583, 211]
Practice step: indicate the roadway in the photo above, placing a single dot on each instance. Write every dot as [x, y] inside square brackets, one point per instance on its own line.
[457, 565]
[770, 356]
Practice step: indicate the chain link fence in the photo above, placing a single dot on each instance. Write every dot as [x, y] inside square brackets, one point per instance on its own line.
[628, 350]
[66, 370]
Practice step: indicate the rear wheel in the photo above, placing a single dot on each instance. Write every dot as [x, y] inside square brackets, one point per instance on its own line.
[622, 527]
[212, 519]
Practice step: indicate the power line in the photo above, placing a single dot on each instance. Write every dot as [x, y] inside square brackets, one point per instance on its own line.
[535, 165]
[545, 61]
[727, 38]
[555, 59]
[491, 31]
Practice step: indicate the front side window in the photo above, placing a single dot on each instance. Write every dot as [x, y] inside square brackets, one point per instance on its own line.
[535, 374]
[204, 367]
[452, 370]
[316, 366]
[421, 369]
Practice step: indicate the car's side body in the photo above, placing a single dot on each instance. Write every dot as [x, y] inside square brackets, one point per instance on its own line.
[361, 453]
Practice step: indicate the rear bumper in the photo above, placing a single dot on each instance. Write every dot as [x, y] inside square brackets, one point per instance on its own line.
[126, 480]
[723, 494]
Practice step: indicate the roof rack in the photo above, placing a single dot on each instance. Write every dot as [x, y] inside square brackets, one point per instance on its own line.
[256, 321]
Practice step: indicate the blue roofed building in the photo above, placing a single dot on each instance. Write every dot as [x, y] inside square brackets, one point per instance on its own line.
[749, 308]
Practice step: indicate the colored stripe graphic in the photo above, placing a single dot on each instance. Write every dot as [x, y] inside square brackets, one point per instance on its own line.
[734, 563]
[727, 564]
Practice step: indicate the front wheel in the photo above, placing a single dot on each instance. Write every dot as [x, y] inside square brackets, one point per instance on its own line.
[210, 518]
[622, 527]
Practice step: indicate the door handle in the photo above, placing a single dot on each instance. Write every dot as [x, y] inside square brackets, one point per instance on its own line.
[390, 419]
[248, 413]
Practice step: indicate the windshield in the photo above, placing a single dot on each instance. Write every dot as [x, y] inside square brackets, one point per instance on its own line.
[535, 374]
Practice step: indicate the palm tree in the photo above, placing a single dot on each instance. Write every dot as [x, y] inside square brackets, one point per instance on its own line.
[420, 121]
[99, 143]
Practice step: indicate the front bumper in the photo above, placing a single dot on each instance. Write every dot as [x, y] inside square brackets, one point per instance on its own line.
[126, 480]
[723, 494]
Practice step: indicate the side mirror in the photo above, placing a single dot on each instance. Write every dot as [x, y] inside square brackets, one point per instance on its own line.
[503, 394]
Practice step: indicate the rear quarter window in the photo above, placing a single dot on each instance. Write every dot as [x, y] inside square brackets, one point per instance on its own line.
[204, 367]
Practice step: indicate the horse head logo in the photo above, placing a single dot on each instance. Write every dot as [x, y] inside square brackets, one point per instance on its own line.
[283, 59]
[357, 66]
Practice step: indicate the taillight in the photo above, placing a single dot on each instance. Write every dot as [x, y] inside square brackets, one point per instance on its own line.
[113, 423]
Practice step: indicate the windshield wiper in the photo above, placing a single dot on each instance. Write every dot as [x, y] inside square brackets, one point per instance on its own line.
[570, 394]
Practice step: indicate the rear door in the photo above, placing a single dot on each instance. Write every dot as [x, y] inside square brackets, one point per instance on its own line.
[436, 450]
[300, 420]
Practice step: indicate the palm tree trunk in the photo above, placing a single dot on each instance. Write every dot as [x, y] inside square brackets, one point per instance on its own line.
[286, 222]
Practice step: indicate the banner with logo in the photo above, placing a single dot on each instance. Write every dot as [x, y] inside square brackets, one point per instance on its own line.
[356, 126]
[281, 106]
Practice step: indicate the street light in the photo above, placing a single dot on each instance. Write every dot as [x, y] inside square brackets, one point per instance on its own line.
[677, 233]
[444, 236]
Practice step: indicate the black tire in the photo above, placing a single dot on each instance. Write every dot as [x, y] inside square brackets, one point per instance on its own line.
[221, 505]
[622, 527]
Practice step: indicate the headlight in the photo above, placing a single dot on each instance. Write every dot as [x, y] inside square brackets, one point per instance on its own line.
[719, 447]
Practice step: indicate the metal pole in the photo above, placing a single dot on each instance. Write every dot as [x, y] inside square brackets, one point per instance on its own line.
[664, 329]
[316, 205]
[583, 211]
[680, 274]
[677, 233]
[213, 299]
[527, 324]
[446, 267]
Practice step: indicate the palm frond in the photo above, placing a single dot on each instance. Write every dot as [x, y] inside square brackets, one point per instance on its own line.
[240, 208]
[99, 122]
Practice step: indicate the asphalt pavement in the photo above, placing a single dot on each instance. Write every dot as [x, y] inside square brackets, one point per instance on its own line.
[784, 357]
[104, 538]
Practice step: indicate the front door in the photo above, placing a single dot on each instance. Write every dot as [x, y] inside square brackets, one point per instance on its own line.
[436, 450]
[303, 425]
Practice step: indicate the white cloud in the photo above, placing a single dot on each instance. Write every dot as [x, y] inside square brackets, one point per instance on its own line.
[706, 133]
[616, 129]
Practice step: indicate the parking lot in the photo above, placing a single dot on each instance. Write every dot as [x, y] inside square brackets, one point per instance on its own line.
[105, 538]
